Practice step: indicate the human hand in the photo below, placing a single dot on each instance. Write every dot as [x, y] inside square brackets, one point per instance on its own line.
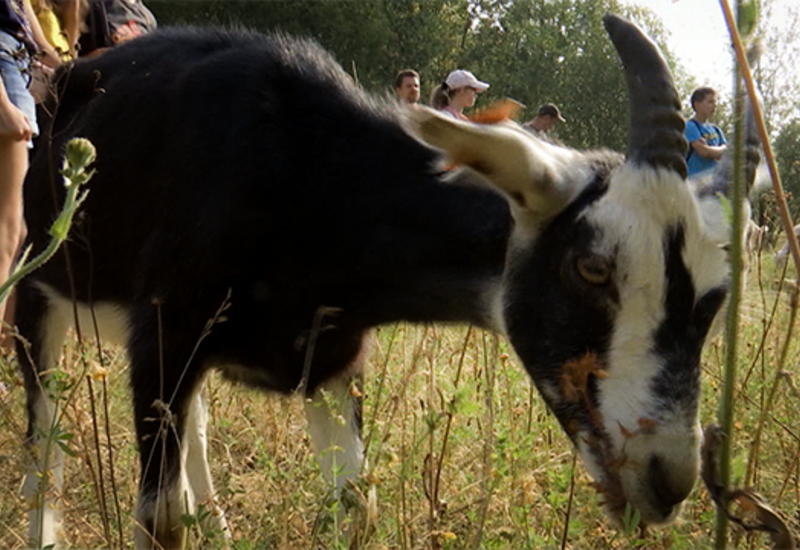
[14, 124]
[126, 32]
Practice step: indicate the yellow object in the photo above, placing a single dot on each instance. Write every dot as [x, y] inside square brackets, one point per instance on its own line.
[51, 27]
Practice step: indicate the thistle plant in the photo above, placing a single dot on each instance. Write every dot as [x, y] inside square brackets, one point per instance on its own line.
[79, 153]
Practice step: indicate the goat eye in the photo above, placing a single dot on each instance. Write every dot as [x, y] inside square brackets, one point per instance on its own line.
[594, 269]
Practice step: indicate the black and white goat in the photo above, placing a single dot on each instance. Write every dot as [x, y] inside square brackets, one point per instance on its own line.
[250, 166]
[781, 255]
[755, 239]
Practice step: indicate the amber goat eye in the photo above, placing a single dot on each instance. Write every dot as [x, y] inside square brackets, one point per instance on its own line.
[594, 270]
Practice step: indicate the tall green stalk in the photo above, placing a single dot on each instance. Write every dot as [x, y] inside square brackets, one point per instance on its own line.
[725, 414]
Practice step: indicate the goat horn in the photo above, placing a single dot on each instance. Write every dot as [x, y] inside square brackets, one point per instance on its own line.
[656, 124]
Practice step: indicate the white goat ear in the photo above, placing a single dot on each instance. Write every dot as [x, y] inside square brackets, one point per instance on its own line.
[530, 173]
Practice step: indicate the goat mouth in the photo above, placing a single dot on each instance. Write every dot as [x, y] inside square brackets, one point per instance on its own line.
[578, 386]
[625, 485]
[608, 482]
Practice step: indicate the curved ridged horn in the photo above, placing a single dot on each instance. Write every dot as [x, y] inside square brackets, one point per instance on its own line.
[656, 124]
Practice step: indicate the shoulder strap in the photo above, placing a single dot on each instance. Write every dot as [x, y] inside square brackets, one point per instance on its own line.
[97, 34]
[699, 129]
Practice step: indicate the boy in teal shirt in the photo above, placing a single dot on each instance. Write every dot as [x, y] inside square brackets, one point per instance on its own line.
[707, 143]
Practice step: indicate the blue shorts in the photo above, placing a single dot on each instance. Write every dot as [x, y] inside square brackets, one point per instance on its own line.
[14, 65]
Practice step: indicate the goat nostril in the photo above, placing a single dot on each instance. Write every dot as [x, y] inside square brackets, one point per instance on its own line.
[666, 492]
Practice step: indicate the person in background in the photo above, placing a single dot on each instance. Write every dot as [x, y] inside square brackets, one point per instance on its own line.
[20, 38]
[458, 92]
[545, 120]
[707, 143]
[406, 86]
[129, 19]
[60, 23]
[112, 22]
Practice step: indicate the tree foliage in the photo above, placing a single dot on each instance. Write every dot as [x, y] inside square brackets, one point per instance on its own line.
[534, 51]
[787, 155]
[776, 73]
[779, 82]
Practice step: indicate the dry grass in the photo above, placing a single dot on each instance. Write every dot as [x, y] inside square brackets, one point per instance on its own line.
[504, 479]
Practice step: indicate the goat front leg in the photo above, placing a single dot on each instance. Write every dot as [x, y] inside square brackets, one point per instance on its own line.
[334, 421]
[45, 477]
[198, 471]
[165, 494]
[46, 327]
[163, 399]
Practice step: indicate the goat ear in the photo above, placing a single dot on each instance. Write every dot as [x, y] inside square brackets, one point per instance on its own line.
[529, 172]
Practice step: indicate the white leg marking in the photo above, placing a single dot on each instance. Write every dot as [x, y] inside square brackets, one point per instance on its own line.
[162, 512]
[197, 469]
[44, 479]
[336, 439]
[334, 432]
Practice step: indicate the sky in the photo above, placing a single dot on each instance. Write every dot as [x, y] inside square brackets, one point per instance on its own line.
[699, 37]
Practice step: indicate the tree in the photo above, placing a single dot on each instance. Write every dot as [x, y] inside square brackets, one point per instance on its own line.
[534, 51]
[779, 82]
[776, 73]
[787, 156]
[372, 40]
[558, 51]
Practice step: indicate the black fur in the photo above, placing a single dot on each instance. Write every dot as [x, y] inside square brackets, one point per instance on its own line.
[567, 317]
[250, 165]
[682, 333]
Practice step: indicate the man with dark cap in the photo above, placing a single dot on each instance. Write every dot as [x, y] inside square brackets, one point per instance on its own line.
[545, 120]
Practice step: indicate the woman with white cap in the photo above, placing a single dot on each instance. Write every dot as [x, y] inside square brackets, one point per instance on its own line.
[457, 93]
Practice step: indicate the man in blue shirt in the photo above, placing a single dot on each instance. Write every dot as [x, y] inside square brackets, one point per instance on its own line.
[707, 143]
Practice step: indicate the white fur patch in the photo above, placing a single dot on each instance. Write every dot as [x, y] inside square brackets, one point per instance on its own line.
[634, 217]
[334, 433]
[164, 512]
[632, 220]
[196, 465]
[112, 319]
[44, 480]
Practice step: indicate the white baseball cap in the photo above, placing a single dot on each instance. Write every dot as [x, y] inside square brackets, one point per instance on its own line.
[463, 79]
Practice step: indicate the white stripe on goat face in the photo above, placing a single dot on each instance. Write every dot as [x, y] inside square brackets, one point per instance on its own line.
[648, 403]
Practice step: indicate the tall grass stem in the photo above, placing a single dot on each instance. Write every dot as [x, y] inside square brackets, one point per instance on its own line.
[732, 322]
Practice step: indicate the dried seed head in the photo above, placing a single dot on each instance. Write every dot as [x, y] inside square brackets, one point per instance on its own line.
[626, 433]
[647, 425]
[575, 376]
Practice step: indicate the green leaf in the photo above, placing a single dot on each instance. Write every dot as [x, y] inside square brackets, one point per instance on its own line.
[726, 207]
[62, 439]
[748, 17]
[630, 519]
[188, 520]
